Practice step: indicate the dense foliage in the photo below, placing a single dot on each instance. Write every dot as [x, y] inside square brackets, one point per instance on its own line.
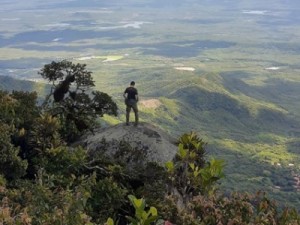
[45, 180]
[71, 98]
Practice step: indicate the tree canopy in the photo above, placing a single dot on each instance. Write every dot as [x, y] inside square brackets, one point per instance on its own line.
[72, 98]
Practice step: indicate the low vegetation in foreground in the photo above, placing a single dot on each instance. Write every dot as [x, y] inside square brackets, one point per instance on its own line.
[44, 180]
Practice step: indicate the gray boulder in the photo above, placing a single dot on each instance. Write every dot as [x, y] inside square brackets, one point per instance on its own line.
[155, 144]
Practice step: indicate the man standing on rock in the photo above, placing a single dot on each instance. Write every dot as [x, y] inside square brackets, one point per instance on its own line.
[131, 99]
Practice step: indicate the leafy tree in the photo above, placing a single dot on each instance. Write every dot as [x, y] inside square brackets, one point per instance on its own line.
[41, 201]
[14, 116]
[19, 111]
[26, 110]
[72, 100]
[7, 108]
[236, 209]
[11, 165]
[190, 174]
[43, 136]
[18, 108]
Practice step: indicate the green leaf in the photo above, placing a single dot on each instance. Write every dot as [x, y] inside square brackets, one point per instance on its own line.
[192, 165]
[138, 204]
[109, 221]
[182, 152]
[170, 166]
[153, 211]
[150, 220]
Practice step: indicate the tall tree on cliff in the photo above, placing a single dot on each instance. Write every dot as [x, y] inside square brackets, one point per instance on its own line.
[72, 98]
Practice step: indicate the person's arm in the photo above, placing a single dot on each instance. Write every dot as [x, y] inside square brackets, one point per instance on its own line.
[136, 95]
[125, 95]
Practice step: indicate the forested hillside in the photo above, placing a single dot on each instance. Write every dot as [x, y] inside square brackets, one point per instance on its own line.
[227, 70]
[46, 179]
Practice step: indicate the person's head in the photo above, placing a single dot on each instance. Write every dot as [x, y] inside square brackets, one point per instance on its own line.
[132, 83]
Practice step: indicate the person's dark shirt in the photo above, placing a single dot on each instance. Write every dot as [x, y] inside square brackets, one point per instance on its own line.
[131, 92]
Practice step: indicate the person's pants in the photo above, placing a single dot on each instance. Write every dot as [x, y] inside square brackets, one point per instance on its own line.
[132, 104]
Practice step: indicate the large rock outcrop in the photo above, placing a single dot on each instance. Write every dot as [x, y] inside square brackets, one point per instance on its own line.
[157, 145]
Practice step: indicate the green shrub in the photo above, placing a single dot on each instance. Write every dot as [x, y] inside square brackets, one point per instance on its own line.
[189, 173]
[11, 165]
[45, 202]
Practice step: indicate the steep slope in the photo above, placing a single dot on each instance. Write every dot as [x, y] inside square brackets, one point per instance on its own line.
[10, 84]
